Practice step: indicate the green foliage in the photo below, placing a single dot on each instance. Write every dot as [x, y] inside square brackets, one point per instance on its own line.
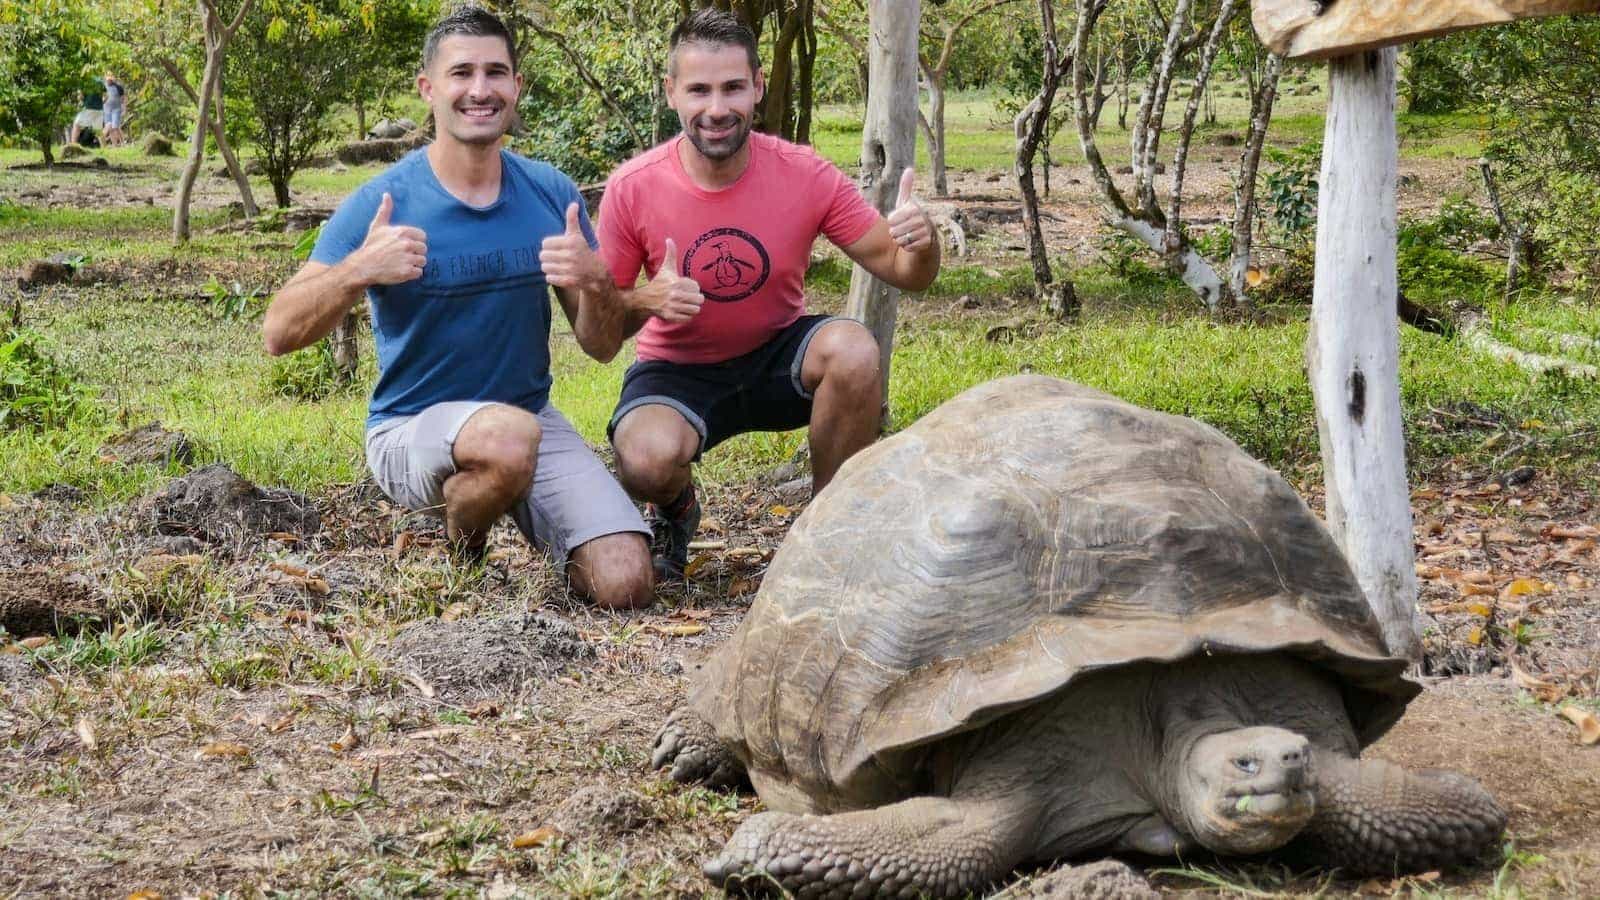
[570, 124]
[44, 60]
[233, 300]
[290, 65]
[1289, 190]
[308, 374]
[1127, 258]
[36, 391]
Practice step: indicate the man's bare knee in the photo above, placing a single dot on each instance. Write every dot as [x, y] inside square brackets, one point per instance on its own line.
[614, 571]
[653, 444]
[844, 355]
[502, 443]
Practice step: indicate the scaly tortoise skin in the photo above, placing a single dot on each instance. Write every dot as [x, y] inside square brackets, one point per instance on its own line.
[1044, 623]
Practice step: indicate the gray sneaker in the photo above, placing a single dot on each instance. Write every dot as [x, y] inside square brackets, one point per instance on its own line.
[670, 534]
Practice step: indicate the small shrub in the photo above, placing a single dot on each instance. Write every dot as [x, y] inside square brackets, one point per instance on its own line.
[308, 374]
[233, 300]
[1124, 256]
[1289, 194]
[37, 391]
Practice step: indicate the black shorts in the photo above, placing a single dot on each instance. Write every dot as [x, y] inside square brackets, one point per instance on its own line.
[759, 391]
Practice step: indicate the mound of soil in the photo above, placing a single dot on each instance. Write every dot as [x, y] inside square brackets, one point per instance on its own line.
[214, 504]
[599, 811]
[472, 657]
[149, 444]
[388, 150]
[18, 674]
[1107, 879]
[40, 601]
[157, 145]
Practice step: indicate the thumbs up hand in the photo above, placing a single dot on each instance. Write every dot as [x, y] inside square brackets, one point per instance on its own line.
[670, 296]
[569, 262]
[909, 223]
[391, 254]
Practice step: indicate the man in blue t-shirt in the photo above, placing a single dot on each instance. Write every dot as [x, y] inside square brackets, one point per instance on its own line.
[453, 247]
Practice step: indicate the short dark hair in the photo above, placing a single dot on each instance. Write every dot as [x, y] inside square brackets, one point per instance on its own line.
[716, 27]
[469, 19]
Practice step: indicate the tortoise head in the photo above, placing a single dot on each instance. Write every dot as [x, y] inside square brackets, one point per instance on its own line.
[1246, 790]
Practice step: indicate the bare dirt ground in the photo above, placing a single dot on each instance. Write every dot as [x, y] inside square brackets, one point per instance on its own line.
[340, 710]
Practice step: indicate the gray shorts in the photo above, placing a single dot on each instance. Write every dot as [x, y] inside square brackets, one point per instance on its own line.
[572, 501]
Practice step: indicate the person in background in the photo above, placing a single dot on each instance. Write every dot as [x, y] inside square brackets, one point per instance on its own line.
[115, 111]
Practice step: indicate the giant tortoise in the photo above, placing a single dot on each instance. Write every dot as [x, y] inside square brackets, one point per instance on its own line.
[1043, 623]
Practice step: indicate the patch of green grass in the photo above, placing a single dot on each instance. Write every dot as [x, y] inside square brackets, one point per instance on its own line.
[125, 646]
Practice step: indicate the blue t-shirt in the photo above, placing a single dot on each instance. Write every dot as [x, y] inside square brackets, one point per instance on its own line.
[476, 325]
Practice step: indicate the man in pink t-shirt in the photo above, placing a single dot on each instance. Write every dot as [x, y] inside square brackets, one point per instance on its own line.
[722, 221]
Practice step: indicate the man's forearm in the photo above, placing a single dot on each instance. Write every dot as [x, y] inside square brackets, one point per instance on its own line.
[306, 310]
[915, 271]
[601, 324]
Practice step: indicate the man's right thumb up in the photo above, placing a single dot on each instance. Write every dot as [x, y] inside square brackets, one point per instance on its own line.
[669, 259]
[385, 210]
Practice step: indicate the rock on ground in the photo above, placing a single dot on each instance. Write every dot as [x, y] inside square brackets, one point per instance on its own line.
[598, 811]
[150, 444]
[1107, 879]
[214, 504]
[157, 145]
[471, 657]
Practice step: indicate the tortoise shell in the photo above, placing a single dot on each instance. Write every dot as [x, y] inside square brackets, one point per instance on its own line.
[1023, 534]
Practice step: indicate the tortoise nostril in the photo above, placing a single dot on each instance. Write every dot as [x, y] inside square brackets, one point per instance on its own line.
[1294, 758]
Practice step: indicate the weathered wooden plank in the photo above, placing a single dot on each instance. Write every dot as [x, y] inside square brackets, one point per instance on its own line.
[1319, 29]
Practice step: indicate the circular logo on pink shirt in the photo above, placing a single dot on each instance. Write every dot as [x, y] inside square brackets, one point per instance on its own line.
[729, 263]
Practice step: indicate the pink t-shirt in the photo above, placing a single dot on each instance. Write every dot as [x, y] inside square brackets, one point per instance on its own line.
[748, 244]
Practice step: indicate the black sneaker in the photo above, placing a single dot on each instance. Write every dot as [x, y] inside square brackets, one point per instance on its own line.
[671, 529]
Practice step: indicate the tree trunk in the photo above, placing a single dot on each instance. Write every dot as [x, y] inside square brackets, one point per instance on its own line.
[1244, 197]
[888, 148]
[1353, 353]
[1032, 129]
[941, 177]
[197, 142]
[345, 349]
[361, 120]
[242, 181]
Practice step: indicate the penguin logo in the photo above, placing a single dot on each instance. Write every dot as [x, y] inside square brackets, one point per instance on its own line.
[729, 263]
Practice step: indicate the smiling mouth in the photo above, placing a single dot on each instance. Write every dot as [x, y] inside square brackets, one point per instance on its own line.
[480, 113]
[715, 133]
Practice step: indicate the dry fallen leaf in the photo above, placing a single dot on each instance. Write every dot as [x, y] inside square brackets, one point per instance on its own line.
[484, 709]
[222, 750]
[742, 586]
[34, 643]
[85, 732]
[1588, 725]
[293, 570]
[696, 564]
[1571, 533]
[744, 553]
[281, 723]
[347, 741]
[1475, 636]
[318, 586]
[1478, 577]
[1542, 690]
[539, 837]
[423, 687]
[780, 510]
[144, 894]
[1480, 609]
[1477, 590]
[676, 630]
[1502, 536]
[402, 543]
[454, 611]
[1521, 587]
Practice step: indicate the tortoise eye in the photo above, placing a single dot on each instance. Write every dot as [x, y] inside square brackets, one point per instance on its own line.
[1247, 765]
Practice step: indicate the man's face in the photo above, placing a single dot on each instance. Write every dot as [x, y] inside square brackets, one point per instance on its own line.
[471, 88]
[715, 94]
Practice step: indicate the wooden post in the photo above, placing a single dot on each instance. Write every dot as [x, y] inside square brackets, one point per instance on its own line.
[888, 148]
[1353, 353]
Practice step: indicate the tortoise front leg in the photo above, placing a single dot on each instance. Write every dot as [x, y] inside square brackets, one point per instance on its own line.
[1374, 817]
[690, 745]
[922, 847]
